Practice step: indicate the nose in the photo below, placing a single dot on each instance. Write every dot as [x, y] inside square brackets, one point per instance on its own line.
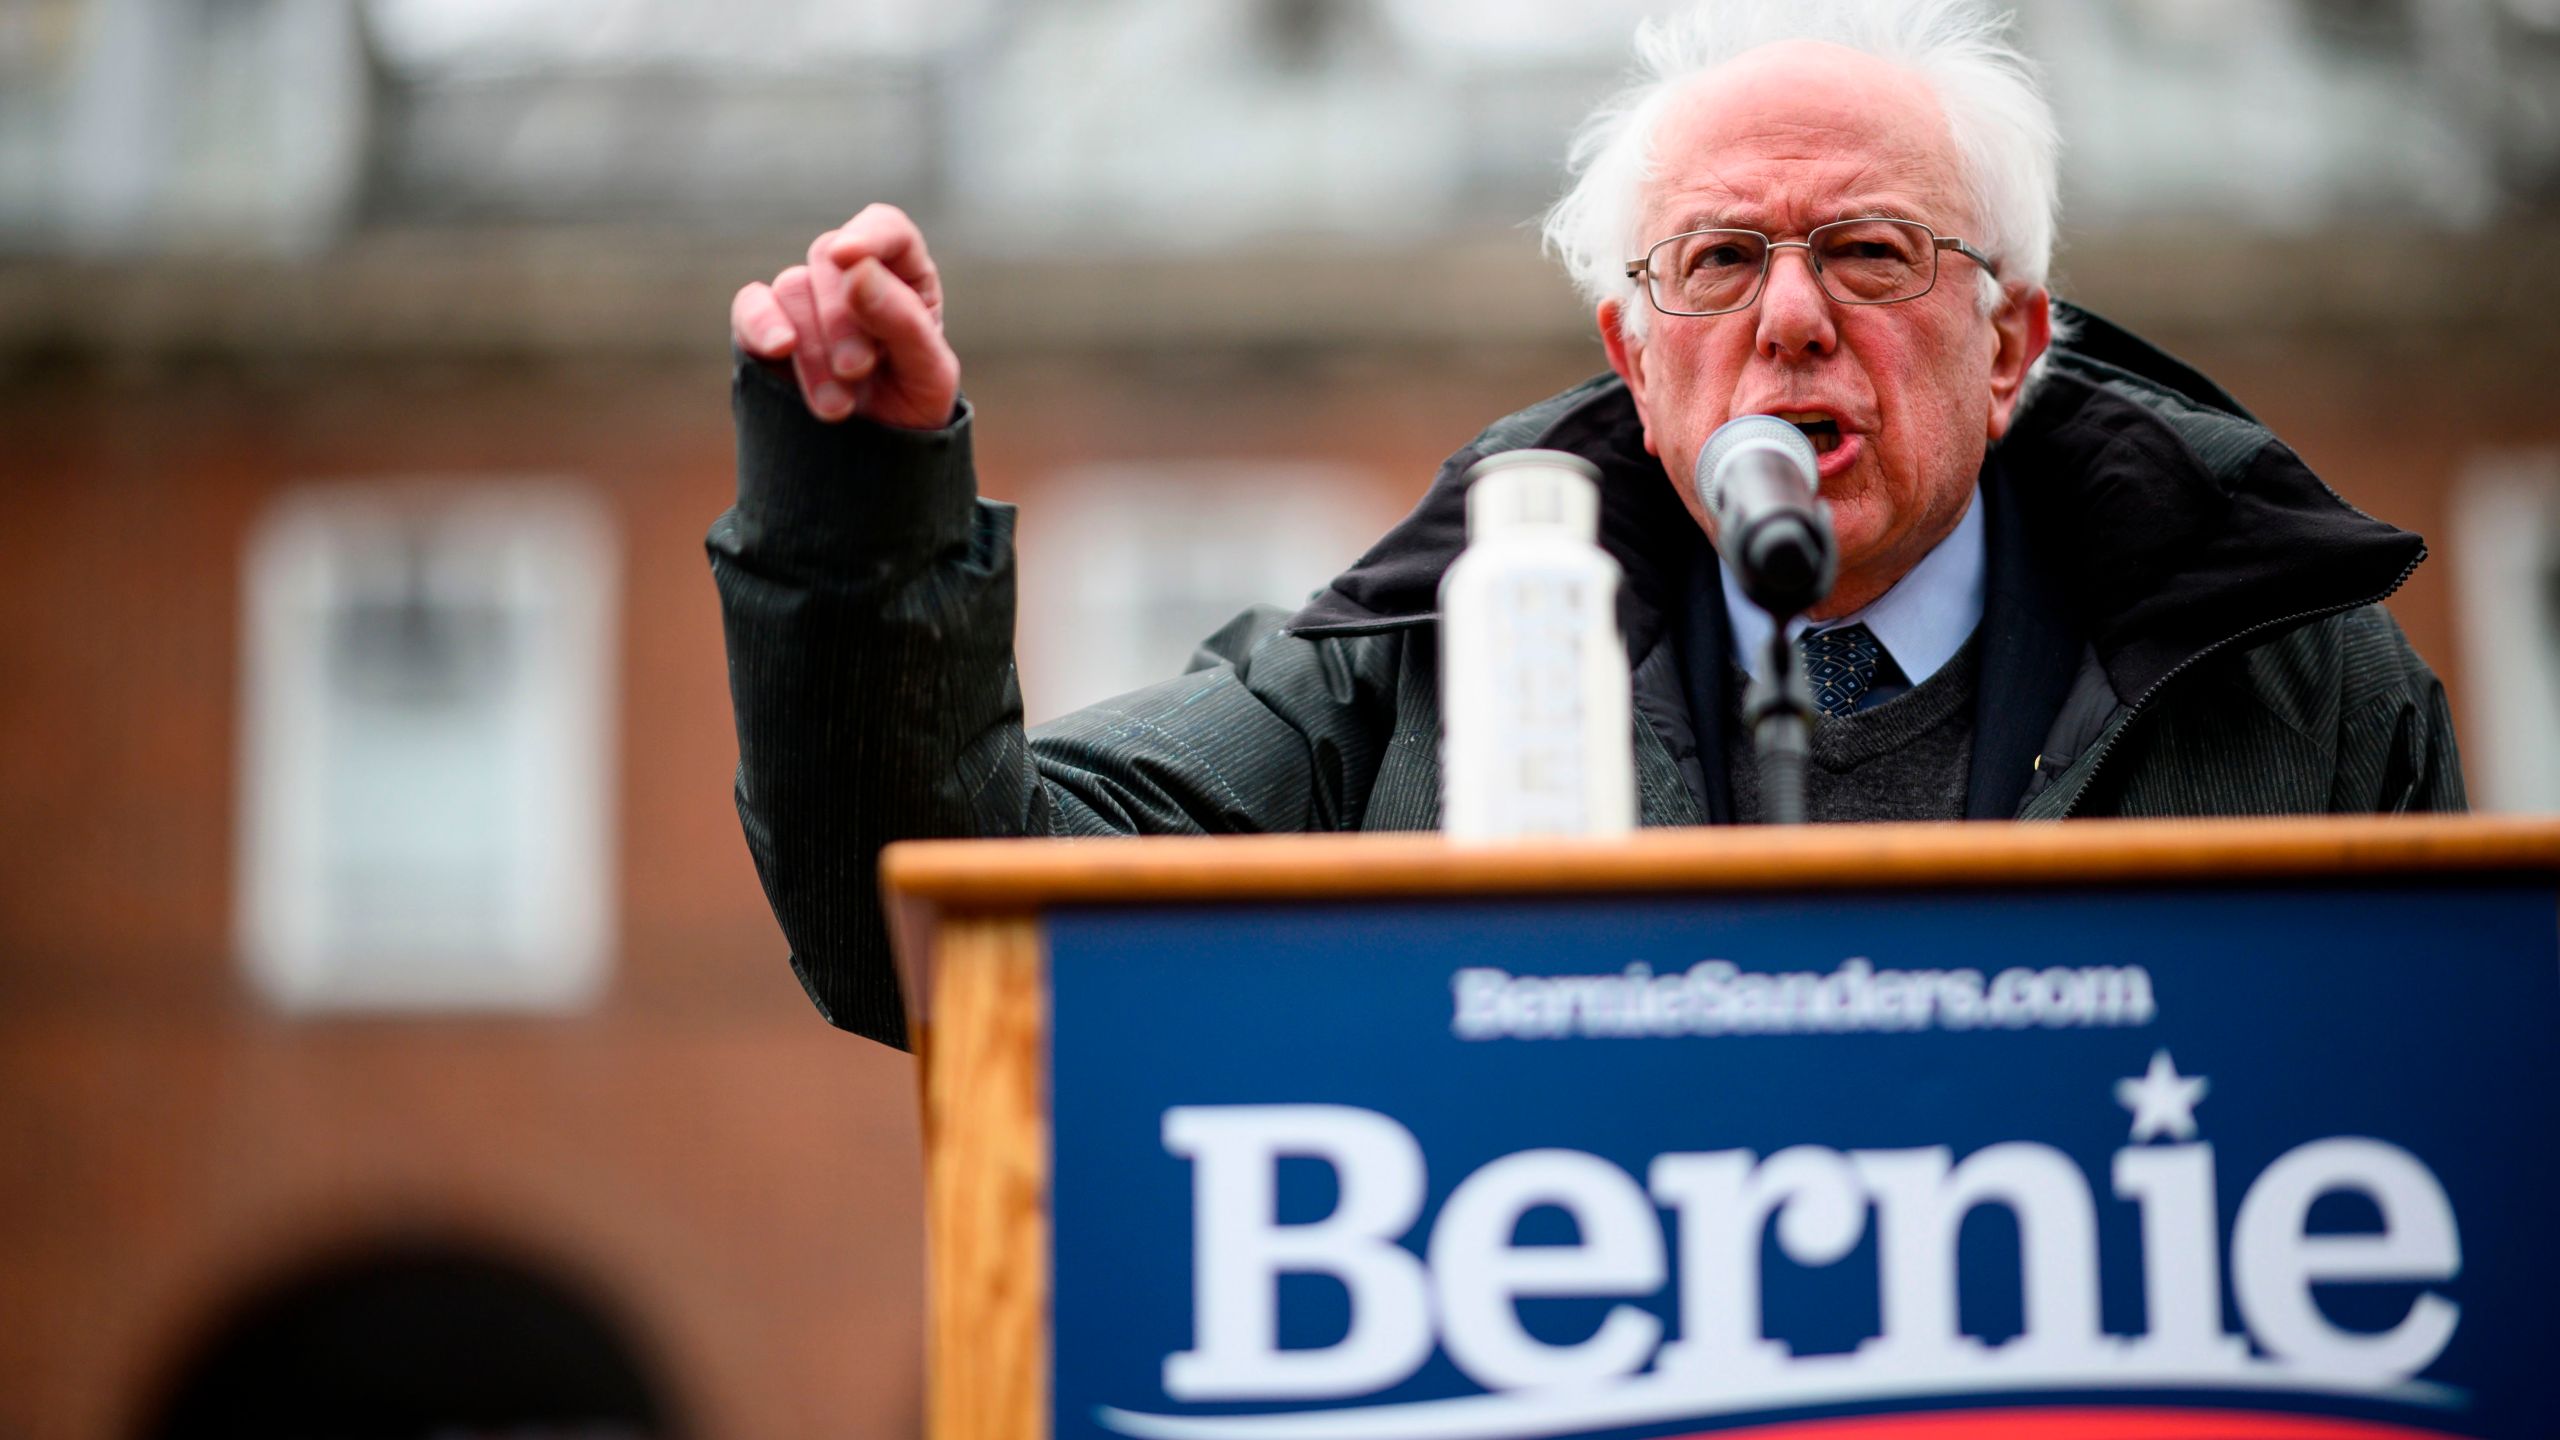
[1795, 314]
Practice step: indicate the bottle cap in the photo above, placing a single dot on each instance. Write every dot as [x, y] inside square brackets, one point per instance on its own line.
[1525, 490]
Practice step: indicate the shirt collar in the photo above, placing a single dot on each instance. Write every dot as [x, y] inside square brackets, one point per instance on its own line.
[1921, 622]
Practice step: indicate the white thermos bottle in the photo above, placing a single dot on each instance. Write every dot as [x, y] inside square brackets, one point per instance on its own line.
[1534, 699]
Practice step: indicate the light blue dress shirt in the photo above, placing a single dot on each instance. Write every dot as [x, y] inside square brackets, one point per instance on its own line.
[1921, 622]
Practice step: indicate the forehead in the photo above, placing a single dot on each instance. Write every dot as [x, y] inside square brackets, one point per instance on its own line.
[1789, 136]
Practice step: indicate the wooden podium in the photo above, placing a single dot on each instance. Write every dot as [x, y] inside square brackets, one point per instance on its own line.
[2356, 1021]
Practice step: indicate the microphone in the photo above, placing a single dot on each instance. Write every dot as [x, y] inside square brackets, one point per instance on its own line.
[1756, 478]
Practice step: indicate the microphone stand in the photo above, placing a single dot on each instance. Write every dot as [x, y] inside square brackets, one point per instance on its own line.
[1778, 707]
[1757, 476]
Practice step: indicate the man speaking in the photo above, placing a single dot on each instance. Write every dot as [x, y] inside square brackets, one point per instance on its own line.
[2075, 577]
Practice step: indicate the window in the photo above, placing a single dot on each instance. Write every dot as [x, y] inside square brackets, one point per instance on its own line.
[427, 758]
[1127, 568]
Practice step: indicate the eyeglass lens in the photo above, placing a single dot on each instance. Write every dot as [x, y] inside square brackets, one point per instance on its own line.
[1859, 262]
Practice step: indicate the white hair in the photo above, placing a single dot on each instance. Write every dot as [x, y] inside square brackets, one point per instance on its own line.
[2004, 131]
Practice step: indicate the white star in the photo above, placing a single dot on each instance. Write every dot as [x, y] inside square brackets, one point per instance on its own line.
[2162, 1101]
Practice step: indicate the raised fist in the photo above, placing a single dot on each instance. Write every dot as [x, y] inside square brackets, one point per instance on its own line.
[861, 323]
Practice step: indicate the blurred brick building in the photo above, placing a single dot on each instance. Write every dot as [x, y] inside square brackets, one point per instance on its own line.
[656, 1194]
[734, 1184]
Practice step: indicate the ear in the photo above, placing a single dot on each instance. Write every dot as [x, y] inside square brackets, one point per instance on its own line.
[1626, 356]
[2021, 329]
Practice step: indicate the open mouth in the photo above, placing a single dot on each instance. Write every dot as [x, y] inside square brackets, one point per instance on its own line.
[1821, 429]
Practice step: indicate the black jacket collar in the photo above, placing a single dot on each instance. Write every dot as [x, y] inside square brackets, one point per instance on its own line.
[2155, 517]
[2186, 524]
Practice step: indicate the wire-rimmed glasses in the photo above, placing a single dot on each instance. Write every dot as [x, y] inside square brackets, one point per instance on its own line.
[1857, 262]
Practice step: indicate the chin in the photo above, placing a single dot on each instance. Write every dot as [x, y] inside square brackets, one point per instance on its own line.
[1856, 538]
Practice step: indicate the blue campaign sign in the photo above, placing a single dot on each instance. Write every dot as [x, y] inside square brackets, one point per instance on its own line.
[2221, 1162]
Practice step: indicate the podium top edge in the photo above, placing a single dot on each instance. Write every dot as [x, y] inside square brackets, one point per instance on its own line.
[999, 876]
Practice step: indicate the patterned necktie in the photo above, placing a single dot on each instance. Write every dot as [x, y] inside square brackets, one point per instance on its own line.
[1840, 664]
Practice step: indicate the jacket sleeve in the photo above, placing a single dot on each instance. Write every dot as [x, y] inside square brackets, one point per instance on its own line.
[867, 598]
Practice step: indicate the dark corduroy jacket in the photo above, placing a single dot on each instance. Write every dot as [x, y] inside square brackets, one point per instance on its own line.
[2180, 619]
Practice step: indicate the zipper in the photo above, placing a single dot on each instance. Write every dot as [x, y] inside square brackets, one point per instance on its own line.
[2133, 712]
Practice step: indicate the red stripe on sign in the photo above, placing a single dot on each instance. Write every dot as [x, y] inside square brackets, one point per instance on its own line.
[2083, 1423]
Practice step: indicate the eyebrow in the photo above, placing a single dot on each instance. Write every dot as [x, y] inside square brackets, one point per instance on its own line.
[1710, 220]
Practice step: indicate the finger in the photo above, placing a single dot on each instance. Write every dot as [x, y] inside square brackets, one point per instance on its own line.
[757, 324]
[886, 234]
[846, 353]
[827, 396]
[896, 316]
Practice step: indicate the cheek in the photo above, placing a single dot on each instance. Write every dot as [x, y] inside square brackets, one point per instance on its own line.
[1691, 387]
[1934, 386]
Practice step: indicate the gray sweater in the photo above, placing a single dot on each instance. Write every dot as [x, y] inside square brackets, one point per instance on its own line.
[1909, 758]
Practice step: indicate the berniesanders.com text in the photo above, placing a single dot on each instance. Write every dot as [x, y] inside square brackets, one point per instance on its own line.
[1717, 997]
